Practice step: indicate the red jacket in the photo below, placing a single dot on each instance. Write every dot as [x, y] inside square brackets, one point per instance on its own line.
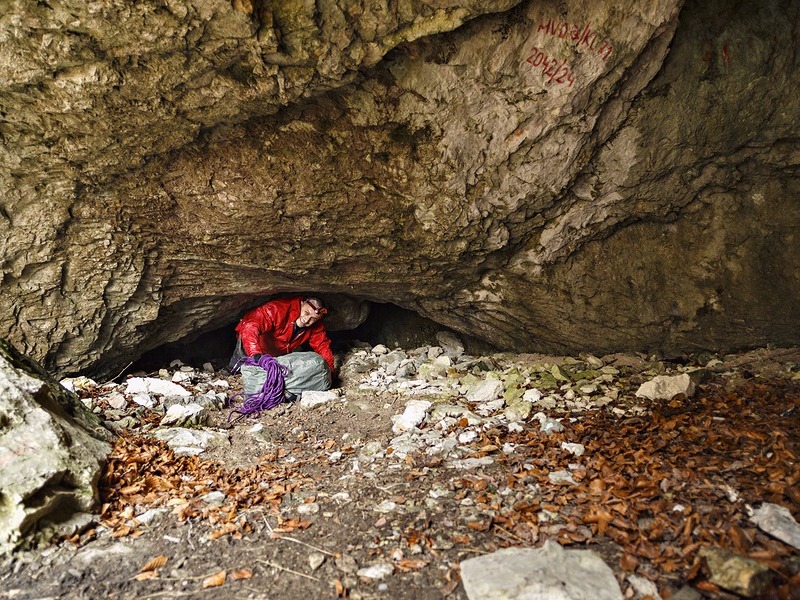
[268, 330]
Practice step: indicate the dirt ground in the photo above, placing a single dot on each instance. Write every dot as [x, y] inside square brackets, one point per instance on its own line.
[307, 508]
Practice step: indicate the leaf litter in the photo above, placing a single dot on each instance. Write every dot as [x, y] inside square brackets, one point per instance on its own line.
[649, 492]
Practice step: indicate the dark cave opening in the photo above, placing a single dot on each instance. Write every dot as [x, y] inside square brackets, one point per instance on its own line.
[386, 324]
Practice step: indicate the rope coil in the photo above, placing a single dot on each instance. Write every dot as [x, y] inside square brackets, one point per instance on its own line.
[271, 393]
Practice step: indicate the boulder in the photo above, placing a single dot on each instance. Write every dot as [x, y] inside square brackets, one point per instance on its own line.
[52, 452]
[666, 387]
[546, 572]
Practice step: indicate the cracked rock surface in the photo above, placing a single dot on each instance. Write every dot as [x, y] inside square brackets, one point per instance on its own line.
[608, 177]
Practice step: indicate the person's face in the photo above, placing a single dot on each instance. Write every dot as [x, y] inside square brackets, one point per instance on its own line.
[309, 315]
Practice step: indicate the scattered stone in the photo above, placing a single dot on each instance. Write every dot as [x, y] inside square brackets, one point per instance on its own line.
[533, 395]
[450, 343]
[185, 415]
[188, 442]
[643, 587]
[734, 572]
[548, 425]
[346, 563]
[308, 508]
[380, 349]
[148, 516]
[546, 572]
[144, 399]
[518, 411]
[311, 399]
[181, 377]
[414, 414]
[559, 477]
[208, 367]
[150, 385]
[315, 560]
[686, 593]
[471, 463]
[777, 521]
[215, 498]
[485, 391]
[666, 387]
[376, 571]
[574, 449]
[117, 401]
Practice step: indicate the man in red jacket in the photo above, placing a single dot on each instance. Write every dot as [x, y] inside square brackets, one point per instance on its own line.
[281, 326]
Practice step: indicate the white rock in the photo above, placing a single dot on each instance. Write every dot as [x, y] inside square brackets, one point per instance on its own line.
[315, 560]
[471, 463]
[308, 508]
[443, 360]
[643, 587]
[413, 415]
[310, 399]
[149, 516]
[666, 387]
[215, 498]
[533, 395]
[144, 399]
[574, 449]
[78, 383]
[380, 349]
[549, 572]
[181, 377]
[220, 383]
[561, 477]
[117, 401]
[184, 414]
[386, 506]
[487, 408]
[548, 425]
[208, 367]
[151, 385]
[376, 571]
[485, 391]
[467, 436]
[450, 343]
[777, 521]
[434, 351]
[187, 441]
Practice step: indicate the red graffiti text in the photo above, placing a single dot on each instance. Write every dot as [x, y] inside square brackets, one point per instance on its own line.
[553, 70]
[581, 35]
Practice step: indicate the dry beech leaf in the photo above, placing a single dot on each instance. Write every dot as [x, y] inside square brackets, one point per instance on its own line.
[410, 564]
[242, 574]
[146, 575]
[341, 591]
[154, 563]
[215, 580]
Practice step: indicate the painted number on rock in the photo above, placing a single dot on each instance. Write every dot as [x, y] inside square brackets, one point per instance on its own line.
[553, 71]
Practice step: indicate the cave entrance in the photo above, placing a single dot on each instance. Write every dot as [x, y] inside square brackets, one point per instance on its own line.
[386, 324]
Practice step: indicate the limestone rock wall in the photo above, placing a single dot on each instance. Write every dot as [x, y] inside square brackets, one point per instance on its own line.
[555, 176]
[51, 452]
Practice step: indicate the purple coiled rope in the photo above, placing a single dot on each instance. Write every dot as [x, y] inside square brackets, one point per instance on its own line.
[270, 394]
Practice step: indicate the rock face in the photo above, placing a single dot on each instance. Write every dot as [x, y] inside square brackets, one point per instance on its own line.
[550, 176]
[50, 454]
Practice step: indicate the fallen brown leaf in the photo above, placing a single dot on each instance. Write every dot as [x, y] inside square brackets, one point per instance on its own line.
[154, 563]
[242, 574]
[215, 580]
